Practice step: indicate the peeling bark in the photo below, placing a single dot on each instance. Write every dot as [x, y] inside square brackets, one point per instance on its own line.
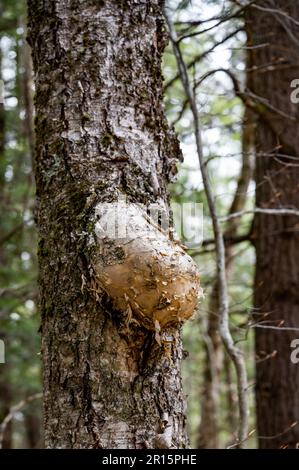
[100, 131]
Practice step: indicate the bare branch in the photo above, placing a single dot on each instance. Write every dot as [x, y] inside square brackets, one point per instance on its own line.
[276, 11]
[228, 240]
[201, 56]
[252, 101]
[271, 327]
[11, 233]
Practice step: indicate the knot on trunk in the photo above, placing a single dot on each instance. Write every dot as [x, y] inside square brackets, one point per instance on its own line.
[147, 275]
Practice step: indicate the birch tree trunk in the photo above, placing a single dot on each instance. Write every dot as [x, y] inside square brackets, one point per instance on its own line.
[100, 131]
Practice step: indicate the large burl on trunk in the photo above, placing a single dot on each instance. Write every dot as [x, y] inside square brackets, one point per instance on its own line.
[111, 359]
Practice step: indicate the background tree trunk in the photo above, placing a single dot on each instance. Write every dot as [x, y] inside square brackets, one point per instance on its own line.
[275, 41]
[5, 388]
[33, 428]
[100, 130]
[214, 352]
[5, 402]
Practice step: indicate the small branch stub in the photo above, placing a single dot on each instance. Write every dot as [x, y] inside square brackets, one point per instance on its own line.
[148, 276]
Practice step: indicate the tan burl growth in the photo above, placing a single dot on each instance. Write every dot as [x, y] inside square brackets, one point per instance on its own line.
[148, 276]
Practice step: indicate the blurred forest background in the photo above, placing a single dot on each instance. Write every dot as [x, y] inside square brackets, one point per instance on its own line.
[212, 36]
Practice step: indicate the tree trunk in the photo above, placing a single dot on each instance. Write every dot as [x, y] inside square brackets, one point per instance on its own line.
[5, 402]
[28, 96]
[100, 131]
[275, 39]
[33, 428]
[209, 424]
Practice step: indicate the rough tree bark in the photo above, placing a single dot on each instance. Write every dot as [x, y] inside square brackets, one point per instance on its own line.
[100, 131]
[275, 41]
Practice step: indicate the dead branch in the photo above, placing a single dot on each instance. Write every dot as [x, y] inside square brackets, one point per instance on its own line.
[14, 409]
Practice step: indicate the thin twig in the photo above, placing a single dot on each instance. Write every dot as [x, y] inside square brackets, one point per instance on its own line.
[276, 11]
[13, 410]
[274, 436]
[260, 210]
[223, 19]
[229, 241]
[250, 99]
